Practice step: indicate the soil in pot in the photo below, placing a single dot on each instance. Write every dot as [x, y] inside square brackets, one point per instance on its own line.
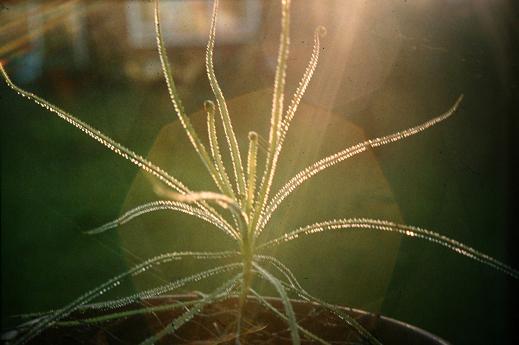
[217, 324]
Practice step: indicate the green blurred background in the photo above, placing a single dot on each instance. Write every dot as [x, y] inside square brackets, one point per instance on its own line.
[383, 68]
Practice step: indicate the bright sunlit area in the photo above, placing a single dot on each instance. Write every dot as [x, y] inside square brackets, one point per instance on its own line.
[416, 226]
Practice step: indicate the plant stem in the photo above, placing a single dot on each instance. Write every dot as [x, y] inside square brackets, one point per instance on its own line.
[247, 255]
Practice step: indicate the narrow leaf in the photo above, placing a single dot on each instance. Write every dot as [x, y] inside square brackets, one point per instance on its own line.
[402, 229]
[277, 111]
[103, 288]
[298, 95]
[222, 200]
[215, 147]
[292, 322]
[303, 84]
[119, 149]
[351, 151]
[252, 159]
[189, 314]
[339, 312]
[222, 107]
[171, 286]
[276, 312]
[179, 108]
[281, 268]
[127, 313]
[165, 205]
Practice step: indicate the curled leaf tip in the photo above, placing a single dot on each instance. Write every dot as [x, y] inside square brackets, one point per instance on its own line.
[209, 106]
[321, 30]
[253, 136]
